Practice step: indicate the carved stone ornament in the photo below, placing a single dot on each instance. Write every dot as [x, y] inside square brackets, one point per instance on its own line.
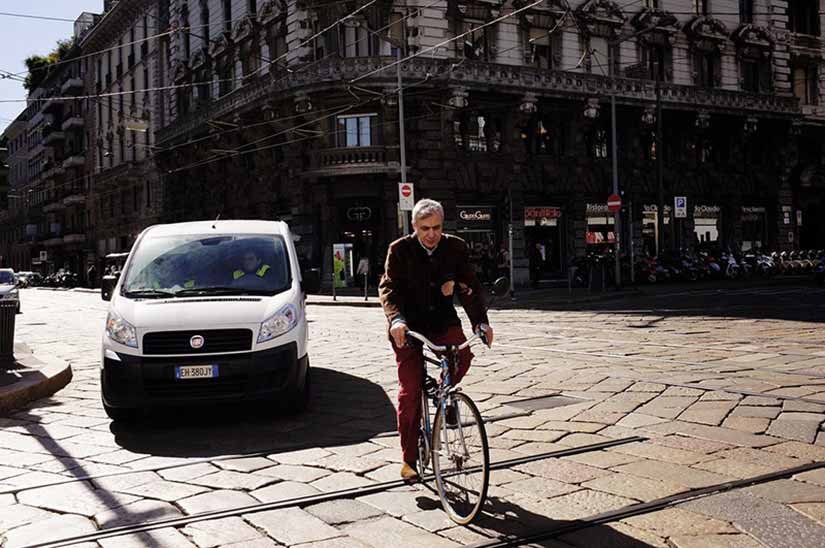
[602, 17]
[181, 72]
[660, 21]
[200, 59]
[707, 28]
[271, 10]
[244, 29]
[220, 47]
[753, 42]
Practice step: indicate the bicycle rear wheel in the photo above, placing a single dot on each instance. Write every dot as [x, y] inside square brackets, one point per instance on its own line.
[461, 460]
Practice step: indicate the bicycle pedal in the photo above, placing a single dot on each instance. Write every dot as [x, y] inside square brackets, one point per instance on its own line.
[430, 386]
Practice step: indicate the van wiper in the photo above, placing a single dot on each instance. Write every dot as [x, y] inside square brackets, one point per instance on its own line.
[215, 290]
[149, 293]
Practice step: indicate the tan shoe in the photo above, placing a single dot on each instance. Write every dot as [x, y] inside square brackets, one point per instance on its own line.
[408, 473]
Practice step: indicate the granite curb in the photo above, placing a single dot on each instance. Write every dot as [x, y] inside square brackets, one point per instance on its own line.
[38, 378]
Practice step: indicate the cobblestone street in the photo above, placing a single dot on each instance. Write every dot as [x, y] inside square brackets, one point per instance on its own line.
[721, 386]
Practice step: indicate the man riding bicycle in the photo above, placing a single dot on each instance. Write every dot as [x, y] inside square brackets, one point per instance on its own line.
[416, 291]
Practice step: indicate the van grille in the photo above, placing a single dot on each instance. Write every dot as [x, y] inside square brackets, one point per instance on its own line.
[215, 341]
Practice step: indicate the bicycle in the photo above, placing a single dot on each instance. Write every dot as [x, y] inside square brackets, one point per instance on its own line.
[457, 430]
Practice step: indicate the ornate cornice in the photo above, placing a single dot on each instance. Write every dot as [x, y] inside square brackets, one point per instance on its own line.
[245, 29]
[707, 28]
[272, 10]
[601, 13]
[753, 42]
[180, 72]
[221, 47]
[656, 21]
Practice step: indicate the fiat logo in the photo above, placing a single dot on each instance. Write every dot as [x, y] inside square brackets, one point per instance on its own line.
[196, 342]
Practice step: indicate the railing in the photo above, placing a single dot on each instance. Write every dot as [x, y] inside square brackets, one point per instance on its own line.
[72, 84]
[75, 122]
[349, 156]
[75, 160]
[519, 80]
[53, 138]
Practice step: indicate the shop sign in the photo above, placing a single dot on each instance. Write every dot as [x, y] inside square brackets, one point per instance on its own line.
[359, 214]
[597, 209]
[786, 215]
[654, 209]
[475, 216]
[44, 256]
[752, 214]
[706, 212]
[541, 216]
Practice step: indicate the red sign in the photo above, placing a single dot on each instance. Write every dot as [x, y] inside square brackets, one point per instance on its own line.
[614, 203]
[406, 190]
[542, 212]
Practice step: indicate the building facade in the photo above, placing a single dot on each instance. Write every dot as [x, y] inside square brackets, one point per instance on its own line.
[289, 110]
[507, 125]
[123, 65]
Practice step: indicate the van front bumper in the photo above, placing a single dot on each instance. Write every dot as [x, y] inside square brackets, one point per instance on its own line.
[140, 381]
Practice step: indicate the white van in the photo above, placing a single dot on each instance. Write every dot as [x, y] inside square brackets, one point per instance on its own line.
[206, 312]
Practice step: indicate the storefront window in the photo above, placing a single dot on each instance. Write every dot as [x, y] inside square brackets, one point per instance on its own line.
[754, 228]
[542, 226]
[476, 225]
[651, 239]
[706, 222]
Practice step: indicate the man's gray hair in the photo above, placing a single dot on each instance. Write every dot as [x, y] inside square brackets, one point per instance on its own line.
[427, 208]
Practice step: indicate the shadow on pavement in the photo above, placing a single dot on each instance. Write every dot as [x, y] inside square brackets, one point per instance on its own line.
[343, 410]
[791, 300]
[505, 519]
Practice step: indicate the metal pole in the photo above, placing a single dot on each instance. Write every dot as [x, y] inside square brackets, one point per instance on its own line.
[512, 263]
[632, 246]
[660, 216]
[366, 281]
[334, 298]
[405, 221]
[617, 227]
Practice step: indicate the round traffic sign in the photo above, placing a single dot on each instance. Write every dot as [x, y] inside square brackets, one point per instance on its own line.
[614, 203]
[406, 190]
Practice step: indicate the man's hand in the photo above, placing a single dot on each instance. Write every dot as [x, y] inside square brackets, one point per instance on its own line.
[488, 334]
[447, 288]
[398, 332]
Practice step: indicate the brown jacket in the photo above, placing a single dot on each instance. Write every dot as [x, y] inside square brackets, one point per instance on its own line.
[410, 289]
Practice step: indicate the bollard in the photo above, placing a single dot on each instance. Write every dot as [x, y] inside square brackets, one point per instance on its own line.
[8, 311]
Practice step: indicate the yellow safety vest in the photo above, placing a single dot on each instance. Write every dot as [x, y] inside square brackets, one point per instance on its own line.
[261, 272]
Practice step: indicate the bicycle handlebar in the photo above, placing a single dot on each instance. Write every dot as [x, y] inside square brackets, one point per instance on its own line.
[439, 348]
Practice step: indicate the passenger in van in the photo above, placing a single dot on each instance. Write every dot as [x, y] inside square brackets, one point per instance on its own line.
[252, 268]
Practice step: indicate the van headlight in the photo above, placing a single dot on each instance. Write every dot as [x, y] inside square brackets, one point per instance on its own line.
[279, 323]
[119, 330]
[12, 295]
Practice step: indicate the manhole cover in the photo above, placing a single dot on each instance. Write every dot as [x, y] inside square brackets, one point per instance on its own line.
[545, 402]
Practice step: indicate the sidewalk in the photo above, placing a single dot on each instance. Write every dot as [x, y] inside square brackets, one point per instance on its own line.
[523, 298]
[30, 378]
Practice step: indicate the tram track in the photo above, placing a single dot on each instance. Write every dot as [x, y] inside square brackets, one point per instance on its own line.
[642, 508]
[342, 494]
[209, 460]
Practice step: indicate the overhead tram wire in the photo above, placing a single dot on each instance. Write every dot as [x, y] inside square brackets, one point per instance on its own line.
[232, 129]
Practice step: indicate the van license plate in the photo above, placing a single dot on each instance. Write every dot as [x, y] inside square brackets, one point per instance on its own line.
[196, 372]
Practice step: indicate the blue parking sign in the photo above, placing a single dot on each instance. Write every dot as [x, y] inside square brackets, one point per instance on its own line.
[680, 207]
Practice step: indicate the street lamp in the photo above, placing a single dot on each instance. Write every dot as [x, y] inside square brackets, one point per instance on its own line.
[591, 110]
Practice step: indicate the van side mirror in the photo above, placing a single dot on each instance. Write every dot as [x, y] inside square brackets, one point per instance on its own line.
[311, 281]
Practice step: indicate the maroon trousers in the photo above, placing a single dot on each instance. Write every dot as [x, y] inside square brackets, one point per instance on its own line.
[410, 363]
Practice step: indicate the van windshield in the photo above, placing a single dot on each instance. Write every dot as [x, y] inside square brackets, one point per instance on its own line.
[190, 265]
[6, 278]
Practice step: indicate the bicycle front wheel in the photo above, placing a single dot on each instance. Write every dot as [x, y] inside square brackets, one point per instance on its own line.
[461, 459]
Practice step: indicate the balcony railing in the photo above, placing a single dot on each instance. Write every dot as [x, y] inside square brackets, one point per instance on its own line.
[75, 160]
[71, 86]
[75, 238]
[75, 122]
[352, 160]
[54, 138]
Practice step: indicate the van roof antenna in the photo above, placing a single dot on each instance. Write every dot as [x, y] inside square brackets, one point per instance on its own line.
[218, 218]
